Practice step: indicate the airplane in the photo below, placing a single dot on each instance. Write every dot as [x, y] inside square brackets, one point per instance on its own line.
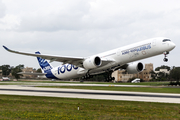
[106, 62]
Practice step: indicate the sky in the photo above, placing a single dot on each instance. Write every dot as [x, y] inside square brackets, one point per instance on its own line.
[83, 28]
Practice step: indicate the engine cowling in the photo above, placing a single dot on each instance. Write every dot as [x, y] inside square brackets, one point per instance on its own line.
[135, 68]
[92, 62]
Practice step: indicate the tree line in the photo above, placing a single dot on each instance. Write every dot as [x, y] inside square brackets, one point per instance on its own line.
[173, 76]
[7, 69]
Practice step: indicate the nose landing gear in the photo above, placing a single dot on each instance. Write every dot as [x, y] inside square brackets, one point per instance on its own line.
[165, 59]
[165, 55]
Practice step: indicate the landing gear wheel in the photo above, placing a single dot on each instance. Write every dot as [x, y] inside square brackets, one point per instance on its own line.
[87, 76]
[108, 78]
[165, 59]
[165, 55]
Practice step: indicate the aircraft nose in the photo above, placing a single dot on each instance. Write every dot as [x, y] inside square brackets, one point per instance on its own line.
[172, 45]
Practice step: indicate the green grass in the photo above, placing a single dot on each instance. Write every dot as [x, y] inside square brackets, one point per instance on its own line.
[132, 89]
[85, 82]
[24, 107]
[155, 87]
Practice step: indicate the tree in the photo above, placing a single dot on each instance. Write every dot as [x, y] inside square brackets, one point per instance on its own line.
[6, 69]
[175, 74]
[16, 70]
[160, 76]
[163, 67]
[153, 75]
[39, 70]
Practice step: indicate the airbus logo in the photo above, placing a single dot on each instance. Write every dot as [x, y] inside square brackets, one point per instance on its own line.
[137, 49]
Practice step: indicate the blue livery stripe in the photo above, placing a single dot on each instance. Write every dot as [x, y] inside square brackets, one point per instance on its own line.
[44, 63]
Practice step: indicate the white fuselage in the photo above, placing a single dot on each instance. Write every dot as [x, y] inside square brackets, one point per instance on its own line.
[119, 56]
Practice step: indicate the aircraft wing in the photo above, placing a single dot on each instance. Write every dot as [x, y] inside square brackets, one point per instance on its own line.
[78, 61]
[65, 59]
[29, 73]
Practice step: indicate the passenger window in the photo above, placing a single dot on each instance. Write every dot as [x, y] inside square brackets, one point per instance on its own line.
[166, 40]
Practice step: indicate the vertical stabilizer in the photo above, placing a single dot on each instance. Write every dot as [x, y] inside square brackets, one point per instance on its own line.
[45, 65]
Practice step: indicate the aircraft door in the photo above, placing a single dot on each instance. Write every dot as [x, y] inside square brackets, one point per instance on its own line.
[120, 57]
[118, 52]
[154, 43]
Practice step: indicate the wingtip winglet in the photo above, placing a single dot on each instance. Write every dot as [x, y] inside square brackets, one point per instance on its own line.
[5, 47]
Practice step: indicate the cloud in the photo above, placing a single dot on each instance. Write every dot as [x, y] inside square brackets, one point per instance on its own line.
[54, 17]
[2, 9]
[84, 27]
[9, 22]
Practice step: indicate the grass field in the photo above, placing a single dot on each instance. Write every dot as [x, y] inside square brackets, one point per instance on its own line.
[156, 87]
[89, 82]
[45, 81]
[26, 107]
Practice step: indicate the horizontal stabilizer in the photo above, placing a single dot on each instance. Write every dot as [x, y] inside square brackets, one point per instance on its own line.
[29, 73]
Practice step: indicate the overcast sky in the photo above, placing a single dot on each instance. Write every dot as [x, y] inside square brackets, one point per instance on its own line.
[85, 27]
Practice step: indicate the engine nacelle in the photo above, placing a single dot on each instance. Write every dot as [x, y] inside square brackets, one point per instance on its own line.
[135, 68]
[92, 62]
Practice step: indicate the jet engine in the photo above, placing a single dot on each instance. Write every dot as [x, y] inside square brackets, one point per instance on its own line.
[134, 68]
[92, 62]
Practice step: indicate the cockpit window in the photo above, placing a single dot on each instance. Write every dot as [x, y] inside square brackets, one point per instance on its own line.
[166, 40]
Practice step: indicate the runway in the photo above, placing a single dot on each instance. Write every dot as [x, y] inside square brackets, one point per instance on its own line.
[89, 94]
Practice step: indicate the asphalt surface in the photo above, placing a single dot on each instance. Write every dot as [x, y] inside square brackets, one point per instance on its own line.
[29, 90]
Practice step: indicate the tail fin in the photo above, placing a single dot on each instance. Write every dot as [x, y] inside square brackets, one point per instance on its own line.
[45, 65]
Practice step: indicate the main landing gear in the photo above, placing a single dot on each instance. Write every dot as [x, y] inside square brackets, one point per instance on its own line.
[108, 77]
[87, 76]
[165, 55]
